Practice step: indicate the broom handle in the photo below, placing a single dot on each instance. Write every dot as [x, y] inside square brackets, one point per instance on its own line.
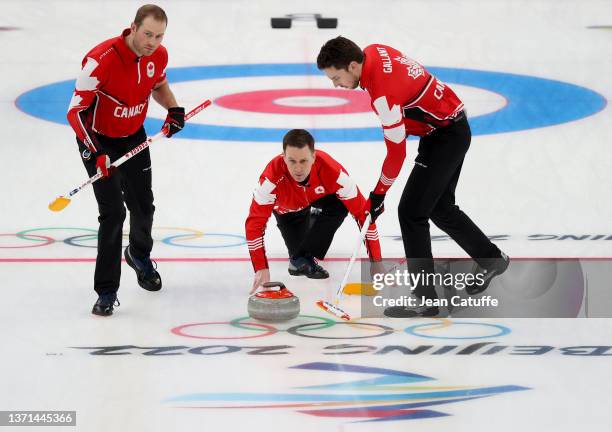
[362, 234]
[136, 150]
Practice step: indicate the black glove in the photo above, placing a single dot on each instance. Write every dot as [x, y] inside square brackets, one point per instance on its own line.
[175, 120]
[375, 205]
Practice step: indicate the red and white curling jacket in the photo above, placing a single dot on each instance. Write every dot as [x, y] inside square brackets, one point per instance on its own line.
[279, 192]
[408, 101]
[112, 92]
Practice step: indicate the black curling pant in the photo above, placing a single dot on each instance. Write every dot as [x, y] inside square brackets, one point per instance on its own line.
[430, 194]
[305, 237]
[130, 183]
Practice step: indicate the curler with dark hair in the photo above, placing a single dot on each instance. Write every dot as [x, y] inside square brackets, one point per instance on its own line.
[299, 138]
[339, 53]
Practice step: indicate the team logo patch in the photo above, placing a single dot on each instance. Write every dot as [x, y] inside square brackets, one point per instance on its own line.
[319, 190]
[150, 69]
[86, 154]
[414, 69]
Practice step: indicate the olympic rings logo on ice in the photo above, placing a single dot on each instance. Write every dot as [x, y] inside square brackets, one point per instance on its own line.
[532, 102]
[186, 238]
[364, 330]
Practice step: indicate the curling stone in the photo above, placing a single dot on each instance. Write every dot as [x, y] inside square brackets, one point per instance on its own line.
[274, 305]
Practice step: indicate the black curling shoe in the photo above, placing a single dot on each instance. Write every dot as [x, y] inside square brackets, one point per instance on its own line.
[148, 277]
[105, 304]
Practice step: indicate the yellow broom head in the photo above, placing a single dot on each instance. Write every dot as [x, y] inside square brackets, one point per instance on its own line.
[59, 204]
[359, 288]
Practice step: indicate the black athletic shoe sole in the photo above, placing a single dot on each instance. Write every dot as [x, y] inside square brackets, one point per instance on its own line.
[308, 275]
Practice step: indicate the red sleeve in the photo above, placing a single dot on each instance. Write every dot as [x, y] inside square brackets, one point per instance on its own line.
[390, 114]
[259, 213]
[164, 60]
[92, 77]
[347, 191]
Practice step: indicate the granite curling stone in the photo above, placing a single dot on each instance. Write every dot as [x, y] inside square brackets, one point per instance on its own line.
[274, 305]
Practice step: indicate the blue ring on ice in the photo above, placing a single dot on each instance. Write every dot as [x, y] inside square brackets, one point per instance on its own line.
[241, 241]
[532, 102]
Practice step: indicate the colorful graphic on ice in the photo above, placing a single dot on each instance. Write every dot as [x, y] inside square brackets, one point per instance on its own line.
[392, 395]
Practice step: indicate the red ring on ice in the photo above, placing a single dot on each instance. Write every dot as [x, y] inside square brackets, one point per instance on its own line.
[287, 101]
[43, 239]
[180, 330]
